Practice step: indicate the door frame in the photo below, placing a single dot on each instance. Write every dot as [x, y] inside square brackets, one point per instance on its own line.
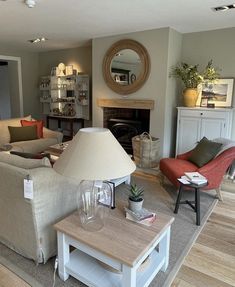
[19, 70]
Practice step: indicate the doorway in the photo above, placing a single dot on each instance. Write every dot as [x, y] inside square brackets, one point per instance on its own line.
[11, 94]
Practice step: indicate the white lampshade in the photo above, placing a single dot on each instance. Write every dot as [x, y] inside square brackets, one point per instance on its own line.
[94, 154]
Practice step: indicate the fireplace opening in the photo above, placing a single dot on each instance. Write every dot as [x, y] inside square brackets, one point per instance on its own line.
[126, 123]
[124, 130]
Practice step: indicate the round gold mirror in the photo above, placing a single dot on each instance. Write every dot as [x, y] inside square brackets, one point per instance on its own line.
[126, 66]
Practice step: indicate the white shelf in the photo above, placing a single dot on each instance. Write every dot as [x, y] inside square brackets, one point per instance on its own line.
[88, 270]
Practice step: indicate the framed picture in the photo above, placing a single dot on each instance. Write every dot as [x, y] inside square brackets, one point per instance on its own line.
[218, 93]
[69, 70]
[204, 102]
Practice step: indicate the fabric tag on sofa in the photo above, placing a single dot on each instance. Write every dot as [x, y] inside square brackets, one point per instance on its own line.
[28, 188]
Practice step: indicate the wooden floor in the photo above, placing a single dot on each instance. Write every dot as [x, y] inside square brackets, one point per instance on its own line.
[211, 261]
[9, 279]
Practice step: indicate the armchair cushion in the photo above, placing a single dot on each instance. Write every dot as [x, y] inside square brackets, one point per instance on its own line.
[205, 151]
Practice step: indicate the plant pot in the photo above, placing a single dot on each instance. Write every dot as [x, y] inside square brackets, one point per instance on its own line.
[135, 205]
[190, 97]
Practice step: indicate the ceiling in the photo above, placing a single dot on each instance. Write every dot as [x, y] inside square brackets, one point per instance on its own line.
[73, 23]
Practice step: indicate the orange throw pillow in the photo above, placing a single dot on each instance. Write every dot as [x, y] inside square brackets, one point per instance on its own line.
[39, 124]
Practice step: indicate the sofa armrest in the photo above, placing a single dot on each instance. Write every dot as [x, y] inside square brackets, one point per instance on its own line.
[52, 134]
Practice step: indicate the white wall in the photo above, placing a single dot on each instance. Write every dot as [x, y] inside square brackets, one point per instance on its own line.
[156, 42]
[218, 45]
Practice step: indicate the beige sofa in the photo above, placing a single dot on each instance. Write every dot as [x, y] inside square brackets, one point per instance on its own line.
[26, 225]
[32, 146]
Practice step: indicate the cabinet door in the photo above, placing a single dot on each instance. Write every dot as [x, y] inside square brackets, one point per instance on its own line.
[213, 128]
[188, 133]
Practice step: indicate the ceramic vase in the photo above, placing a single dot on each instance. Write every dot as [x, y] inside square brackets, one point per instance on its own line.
[190, 97]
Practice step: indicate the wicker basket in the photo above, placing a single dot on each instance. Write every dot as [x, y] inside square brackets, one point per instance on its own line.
[146, 150]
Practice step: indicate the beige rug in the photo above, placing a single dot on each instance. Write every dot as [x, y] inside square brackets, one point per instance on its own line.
[184, 233]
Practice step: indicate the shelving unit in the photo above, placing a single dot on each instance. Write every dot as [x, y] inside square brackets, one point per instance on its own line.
[65, 96]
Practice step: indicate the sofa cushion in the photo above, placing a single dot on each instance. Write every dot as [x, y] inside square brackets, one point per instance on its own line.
[205, 151]
[5, 136]
[24, 162]
[38, 124]
[22, 133]
[34, 146]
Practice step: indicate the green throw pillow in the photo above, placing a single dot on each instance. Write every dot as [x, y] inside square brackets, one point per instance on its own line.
[205, 151]
[18, 134]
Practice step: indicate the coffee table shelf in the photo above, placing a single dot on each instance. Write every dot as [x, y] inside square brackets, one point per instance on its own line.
[121, 244]
[88, 270]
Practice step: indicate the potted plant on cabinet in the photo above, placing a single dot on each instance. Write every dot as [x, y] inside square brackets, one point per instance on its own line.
[191, 78]
[135, 197]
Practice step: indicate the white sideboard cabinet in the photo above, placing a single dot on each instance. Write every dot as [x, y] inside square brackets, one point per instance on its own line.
[195, 123]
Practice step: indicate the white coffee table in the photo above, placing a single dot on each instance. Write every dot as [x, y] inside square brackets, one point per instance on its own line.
[121, 244]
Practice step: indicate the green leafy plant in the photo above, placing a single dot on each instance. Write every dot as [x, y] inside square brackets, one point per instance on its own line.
[136, 193]
[191, 77]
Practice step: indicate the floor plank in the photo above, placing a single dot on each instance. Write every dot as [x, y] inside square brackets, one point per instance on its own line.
[9, 279]
[211, 261]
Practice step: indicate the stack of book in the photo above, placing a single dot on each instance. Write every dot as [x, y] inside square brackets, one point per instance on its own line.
[143, 216]
[193, 177]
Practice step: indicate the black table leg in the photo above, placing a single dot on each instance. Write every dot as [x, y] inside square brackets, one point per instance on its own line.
[178, 199]
[197, 203]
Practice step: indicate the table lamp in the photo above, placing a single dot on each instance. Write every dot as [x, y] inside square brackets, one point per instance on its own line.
[94, 156]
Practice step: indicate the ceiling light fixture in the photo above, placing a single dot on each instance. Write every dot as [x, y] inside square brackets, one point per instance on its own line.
[224, 7]
[38, 40]
[30, 3]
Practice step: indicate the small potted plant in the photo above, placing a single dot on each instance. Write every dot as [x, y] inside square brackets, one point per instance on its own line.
[135, 197]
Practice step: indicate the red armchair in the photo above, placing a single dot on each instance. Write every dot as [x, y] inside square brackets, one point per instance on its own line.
[214, 170]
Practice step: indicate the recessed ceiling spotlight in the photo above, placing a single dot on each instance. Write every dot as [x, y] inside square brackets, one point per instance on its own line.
[38, 40]
[30, 3]
[224, 7]
[119, 54]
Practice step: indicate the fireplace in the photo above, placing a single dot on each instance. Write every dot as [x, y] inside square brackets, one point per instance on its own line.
[126, 123]
[124, 130]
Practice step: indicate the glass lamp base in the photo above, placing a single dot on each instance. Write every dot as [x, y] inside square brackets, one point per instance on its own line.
[94, 204]
[94, 224]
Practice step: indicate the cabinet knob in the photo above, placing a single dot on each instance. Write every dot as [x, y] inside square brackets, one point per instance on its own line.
[201, 114]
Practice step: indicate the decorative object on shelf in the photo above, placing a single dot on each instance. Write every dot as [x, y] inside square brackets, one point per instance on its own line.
[135, 197]
[204, 102]
[93, 156]
[69, 70]
[68, 110]
[61, 68]
[218, 93]
[191, 78]
[53, 71]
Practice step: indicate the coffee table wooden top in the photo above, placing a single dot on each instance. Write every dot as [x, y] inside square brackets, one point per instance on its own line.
[120, 238]
[57, 149]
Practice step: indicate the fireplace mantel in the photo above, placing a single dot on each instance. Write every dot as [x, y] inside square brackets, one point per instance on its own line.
[126, 103]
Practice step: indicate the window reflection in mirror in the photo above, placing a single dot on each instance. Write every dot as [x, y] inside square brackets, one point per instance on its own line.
[125, 67]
